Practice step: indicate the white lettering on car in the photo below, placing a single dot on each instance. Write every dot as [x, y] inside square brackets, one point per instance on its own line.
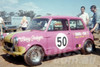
[30, 39]
[78, 34]
[81, 34]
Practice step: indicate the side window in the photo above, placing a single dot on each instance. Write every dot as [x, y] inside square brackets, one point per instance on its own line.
[58, 25]
[76, 25]
[73, 24]
[80, 25]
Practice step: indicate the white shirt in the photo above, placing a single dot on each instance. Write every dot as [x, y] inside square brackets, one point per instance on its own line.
[84, 16]
[25, 24]
[1, 20]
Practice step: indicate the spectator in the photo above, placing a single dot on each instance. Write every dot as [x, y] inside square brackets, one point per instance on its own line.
[1, 23]
[24, 23]
[95, 21]
[84, 15]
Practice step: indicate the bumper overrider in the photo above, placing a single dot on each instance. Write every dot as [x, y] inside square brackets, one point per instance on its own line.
[11, 47]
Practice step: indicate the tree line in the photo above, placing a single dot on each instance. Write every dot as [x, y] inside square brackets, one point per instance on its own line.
[20, 13]
[7, 15]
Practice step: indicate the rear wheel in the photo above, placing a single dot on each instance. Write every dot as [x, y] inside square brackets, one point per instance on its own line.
[88, 47]
[34, 56]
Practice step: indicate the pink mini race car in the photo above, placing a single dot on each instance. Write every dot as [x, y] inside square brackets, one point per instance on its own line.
[49, 35]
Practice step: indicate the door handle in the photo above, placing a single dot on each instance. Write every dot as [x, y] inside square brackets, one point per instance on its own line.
[47, 37]
[68, 33]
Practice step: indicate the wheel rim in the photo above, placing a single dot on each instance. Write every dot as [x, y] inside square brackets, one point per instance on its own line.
[89, 47]
[35, 56]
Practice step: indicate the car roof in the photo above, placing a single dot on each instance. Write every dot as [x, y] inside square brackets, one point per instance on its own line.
[59, 17]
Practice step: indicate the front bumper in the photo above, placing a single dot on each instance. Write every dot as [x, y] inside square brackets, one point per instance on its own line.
[19, 51]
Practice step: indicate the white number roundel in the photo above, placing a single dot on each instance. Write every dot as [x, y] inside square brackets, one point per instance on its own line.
[61, 40]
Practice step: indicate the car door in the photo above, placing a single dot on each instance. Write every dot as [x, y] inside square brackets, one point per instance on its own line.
[58, 37]
[78, 33]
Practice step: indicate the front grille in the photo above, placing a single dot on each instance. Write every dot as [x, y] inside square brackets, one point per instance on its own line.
[9, 47]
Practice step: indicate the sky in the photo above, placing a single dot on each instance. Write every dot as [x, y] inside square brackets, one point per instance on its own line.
[55, 7]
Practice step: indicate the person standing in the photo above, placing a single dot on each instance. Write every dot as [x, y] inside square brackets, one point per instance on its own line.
[95, 21]
[1, 23]
[84, 15]
[24, 23]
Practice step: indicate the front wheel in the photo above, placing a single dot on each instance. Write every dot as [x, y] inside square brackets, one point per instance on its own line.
[88, 47]
[34, 56]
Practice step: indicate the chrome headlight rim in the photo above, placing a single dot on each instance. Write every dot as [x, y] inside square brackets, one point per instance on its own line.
[15, 40]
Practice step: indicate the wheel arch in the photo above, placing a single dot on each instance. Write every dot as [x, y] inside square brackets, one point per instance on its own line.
[83, 49]
[88, 39]
[37, 45]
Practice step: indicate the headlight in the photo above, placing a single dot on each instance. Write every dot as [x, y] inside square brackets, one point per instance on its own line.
[1, 37]
[15, 41]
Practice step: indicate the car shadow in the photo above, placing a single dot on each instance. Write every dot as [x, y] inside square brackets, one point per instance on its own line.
[62, 55]
[15, 60]
[97, 51]
[20, 60]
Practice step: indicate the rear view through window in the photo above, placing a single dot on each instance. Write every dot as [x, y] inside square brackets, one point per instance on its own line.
[58, 25]
[76, 25]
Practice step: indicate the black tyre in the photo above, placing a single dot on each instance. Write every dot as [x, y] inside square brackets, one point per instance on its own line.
[34, 56]
[88, 47]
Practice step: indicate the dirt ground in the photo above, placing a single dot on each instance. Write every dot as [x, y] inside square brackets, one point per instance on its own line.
[72, 59]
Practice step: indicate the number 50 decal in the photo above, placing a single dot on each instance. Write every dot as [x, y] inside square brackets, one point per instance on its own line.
[61, 41]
